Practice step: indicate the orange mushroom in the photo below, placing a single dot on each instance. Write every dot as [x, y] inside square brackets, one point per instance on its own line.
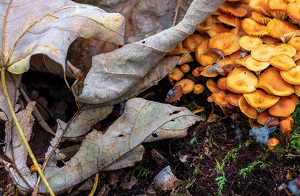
[241, 80]
[267, 119]
[233, 98]
[224, 43]
[278, 8]
[222, 84]
[293, 10]
[247, 109]
[286, 124]
[192, 41]
[260, 18]
[234, 8]
[295, 42]
[285, 49]
[187, 85]
[219, 98]
[211, 85]
[292, 75]
[283, 107]
[259, 6]
[278, 28]
[248, 43]
[259, 99]
[198, 89]
[282, 62]
[185, 68]
[253, 28]
[175, 74]
[272, 142]
[255, 65]
[271, 81]
[263, 52]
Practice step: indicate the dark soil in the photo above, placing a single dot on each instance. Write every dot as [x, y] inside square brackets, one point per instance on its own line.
[192, 159]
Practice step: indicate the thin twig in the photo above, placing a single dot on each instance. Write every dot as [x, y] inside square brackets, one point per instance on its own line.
[36, 113]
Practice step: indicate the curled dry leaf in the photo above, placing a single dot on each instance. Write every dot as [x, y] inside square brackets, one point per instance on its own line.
[119, 147]
[114, 73]
[49, 27]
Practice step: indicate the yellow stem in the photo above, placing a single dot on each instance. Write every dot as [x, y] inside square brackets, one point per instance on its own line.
[95, 185]
[21, 132]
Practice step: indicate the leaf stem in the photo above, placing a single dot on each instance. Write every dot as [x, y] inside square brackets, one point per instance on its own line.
[3, 69]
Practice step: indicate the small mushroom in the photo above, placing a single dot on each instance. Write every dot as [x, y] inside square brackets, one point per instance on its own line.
[295, 42]
[282, 62]
[224, 43]
[286, 124]
[271, 81]
[278, 8]
[212, 85]
[255, 65]
[263, 52]
[253, 28]
[259, 99]
[247, 109]
[285, 49]
[278, 28]
[187, 85]
[283, 107]
[272, 142]
[185, 68]
[198, 89]
[260, 18]
[267, 119]
[192, 41]
[175, 74]
[248, 42]
[292, 75]
[241, 80]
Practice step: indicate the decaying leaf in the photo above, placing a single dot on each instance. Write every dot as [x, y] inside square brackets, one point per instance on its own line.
[49, 27]
[112, 74]
[119, 147]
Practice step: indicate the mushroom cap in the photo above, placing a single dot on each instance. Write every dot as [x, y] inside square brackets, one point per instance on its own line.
[293, 10]
[219, 98]
[234, 8]
[242, 61]
[211, 85]
[255, 65]
[248, 43]
[286, 124]
[216, 29]
[207, 72]
[187, 85]
[230, 20]
[283, 107]
[292, 75]
[197, 71]
[272, 142]
[222, 84]
[175, 74]
[253, 28]
[185, 58]
[178, 50]
[282, 62]
[260, 18]
[253, 123]
[295, 42]
[259, 6]
[224, 43]
[260, 99]
[285, 49]
[267, 39]
[233, 98]
[271, 81]
[247, 109]
[198, 89]
[294, 98]
[207, 58]
[265, 117]
[297, 57]
[297, 90]
[192, 41]
[185, 68]
[241, 80]
[263, 52]
[278, 8]
[202, 48]
[277, 28]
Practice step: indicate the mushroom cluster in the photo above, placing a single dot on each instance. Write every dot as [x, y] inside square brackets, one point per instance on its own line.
[250, 52]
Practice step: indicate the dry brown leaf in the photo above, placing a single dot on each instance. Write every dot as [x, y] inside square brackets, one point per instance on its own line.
[119, 147]
[114, 73]
[49, 27]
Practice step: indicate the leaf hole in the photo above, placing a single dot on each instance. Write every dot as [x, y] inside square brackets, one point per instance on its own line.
[60, 164]
[175, 112]
[154, 135]
[121, 135]
[143, 42]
